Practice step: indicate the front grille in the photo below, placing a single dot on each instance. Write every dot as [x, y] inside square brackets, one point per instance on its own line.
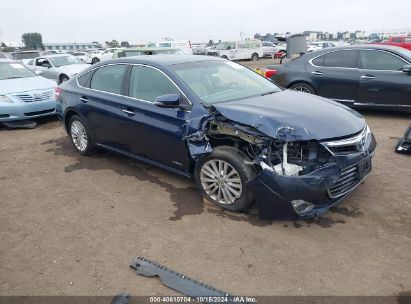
[344, 149]
[39, 112]
[35, 96]
[354, 144]
[348, 181]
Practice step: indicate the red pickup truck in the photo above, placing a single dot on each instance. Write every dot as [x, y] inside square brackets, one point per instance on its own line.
[401, 41]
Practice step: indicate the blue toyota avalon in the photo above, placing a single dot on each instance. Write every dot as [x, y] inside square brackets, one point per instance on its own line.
[241, 137]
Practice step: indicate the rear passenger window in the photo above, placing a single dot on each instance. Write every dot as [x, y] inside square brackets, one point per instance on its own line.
[396, 40]
[84, 80]
[148, 83]
[340, 59]
[378, 60]
[337, 59]
[108, 78]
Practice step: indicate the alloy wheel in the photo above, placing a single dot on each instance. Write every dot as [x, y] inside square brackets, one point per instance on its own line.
[79, 135]
[221, 181]
[302, 89]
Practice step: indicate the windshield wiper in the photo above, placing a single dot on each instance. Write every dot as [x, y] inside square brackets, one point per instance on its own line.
[268, 93]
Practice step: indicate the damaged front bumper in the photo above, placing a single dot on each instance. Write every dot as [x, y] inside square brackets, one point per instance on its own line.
[310, 195]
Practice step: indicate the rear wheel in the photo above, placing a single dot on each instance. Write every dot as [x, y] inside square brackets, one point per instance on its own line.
[95, 60]
[303, 87]
[224, 57]
[254, 57]
[80, 136]
[223, 178]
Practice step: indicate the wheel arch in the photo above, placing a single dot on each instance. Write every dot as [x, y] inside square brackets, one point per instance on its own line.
[304, 82]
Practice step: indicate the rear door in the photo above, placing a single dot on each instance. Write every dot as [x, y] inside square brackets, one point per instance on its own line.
[335, 75]
[382, 81]
[103, 105]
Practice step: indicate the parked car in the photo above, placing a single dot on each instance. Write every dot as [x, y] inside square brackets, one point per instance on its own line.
[400, 41]
[80, 55]
[199, 48]
[237, 133]
[102, 55]
[24, 94]
[358, 76]
[145, 51]
[59, 67]
[239, 50]
[315, 46]
[183, 45]
[25, 56]
[270, 49]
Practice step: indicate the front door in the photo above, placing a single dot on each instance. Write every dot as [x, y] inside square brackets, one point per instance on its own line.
[162, 129]
[382, 81]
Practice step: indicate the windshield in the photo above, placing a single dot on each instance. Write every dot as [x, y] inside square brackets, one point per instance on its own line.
[221, 81]
[12, 70]
[221, 46]
[64, 60]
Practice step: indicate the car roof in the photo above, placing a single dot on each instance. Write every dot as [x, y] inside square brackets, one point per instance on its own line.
[165, 60]
[391, 48]
[56, 55]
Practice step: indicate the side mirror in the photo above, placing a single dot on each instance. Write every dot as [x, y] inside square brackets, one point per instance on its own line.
[38, 72]
[168, 101]
[407, 69]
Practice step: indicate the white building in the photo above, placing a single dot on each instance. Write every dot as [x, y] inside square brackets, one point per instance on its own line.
[386, 33]
[360, 34]
[71, 46]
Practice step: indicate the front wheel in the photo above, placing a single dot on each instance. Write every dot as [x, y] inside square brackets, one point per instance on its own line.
[95, 60]
[224, 57]
[80, 137]
[303, 87]
[223, 177]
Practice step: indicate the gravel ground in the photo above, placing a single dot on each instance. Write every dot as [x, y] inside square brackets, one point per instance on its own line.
[70, 225]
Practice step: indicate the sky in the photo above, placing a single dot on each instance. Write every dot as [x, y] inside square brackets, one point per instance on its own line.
[142, 21]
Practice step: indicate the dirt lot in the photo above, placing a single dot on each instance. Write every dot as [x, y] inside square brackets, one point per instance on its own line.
[70, 225]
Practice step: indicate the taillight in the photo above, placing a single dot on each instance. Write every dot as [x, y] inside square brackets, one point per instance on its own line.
[270, 73]
[57, 93]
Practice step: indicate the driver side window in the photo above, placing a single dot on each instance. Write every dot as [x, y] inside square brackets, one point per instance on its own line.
[147, 84]
[42, 62]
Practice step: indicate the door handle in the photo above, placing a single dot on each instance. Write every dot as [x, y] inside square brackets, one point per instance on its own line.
[83, 99]
[317, 73]
[128, 112]
[367, 77]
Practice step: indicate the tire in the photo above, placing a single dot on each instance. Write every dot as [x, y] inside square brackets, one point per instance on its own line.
[95, 60]
[234, 196]
[302, 87]
[80, 135]
[224, 57]
[254, 57]
[63, 78]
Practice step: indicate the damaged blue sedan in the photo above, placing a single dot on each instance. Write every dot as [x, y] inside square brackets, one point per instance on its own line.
[241, 137]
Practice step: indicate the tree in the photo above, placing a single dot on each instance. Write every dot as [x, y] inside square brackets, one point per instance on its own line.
[124, 44]
[113, 43]
[210, 43]
[32, 41]
[257, 36]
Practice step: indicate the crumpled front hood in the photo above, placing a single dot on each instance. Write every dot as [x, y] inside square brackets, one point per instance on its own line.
[294, 115]
[72, 69]
[17, 85]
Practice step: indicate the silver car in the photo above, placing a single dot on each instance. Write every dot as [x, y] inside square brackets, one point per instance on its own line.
[58, 67]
